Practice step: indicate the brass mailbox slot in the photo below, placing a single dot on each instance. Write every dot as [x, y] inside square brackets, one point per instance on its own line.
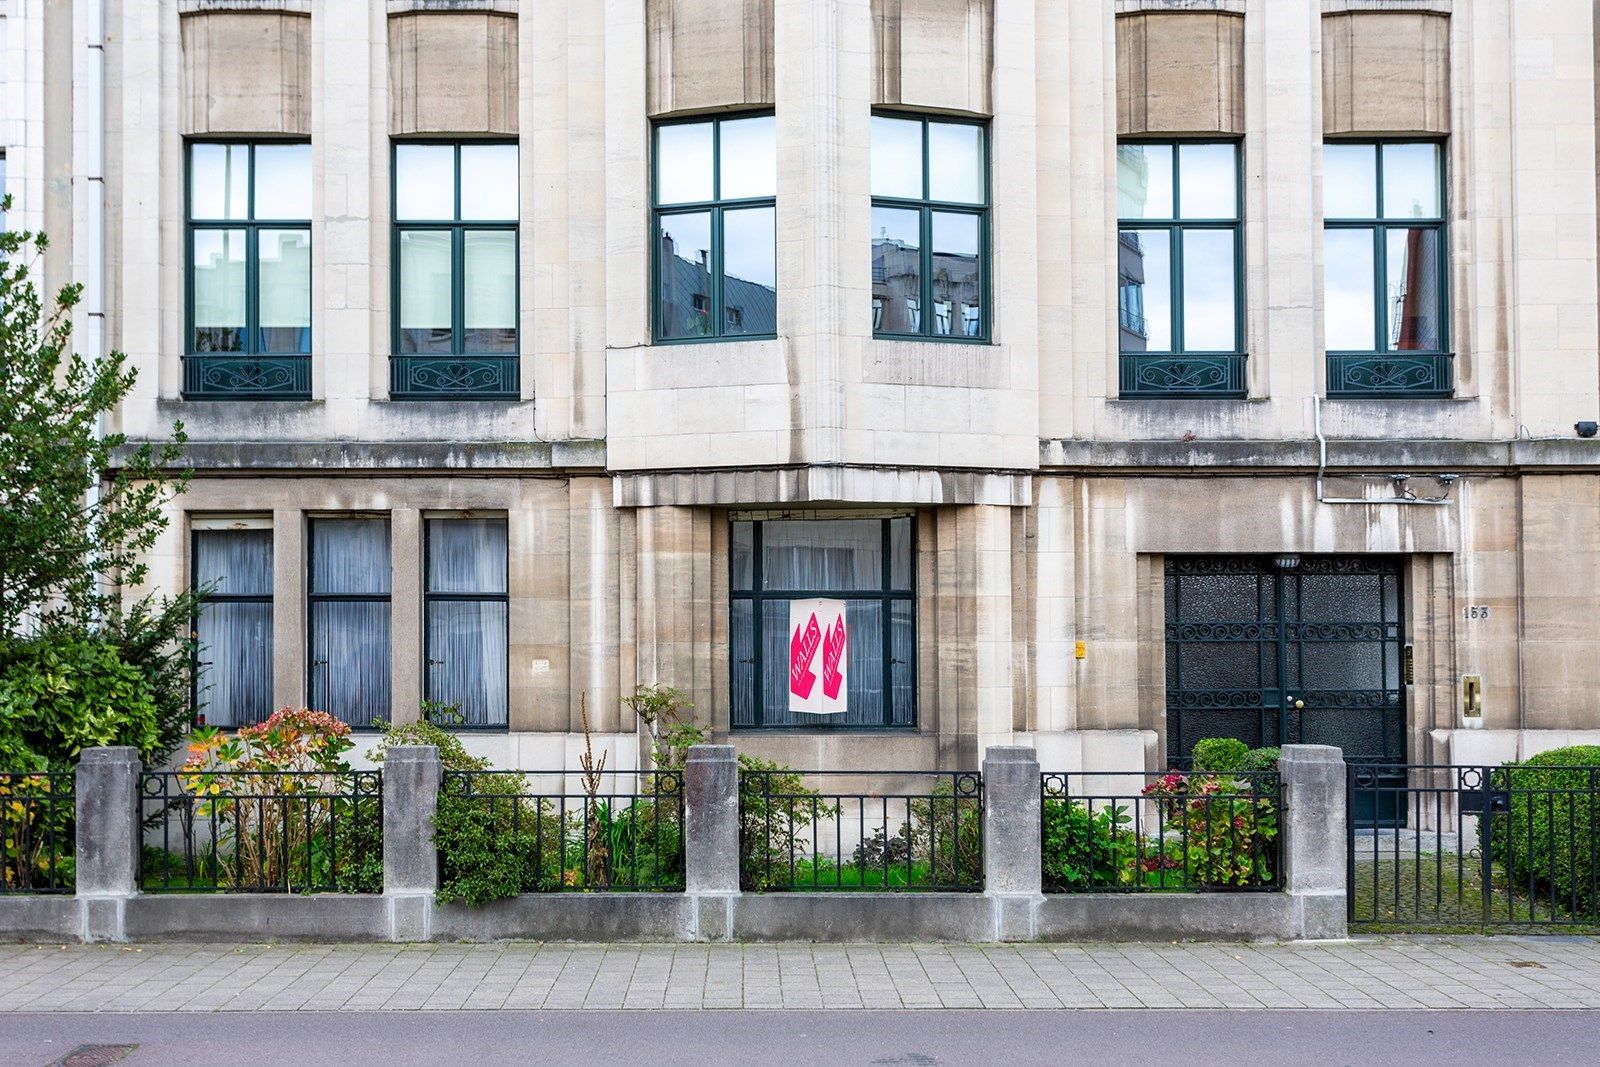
[1472, 696]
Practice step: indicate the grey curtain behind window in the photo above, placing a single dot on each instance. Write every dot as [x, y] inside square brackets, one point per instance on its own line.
[233, 677]
[466, 638]
[350, 638]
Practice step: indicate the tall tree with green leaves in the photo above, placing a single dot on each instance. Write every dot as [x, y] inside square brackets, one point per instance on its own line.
[79, 511]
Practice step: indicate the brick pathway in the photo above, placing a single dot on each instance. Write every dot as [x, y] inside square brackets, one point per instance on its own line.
[1444, 972]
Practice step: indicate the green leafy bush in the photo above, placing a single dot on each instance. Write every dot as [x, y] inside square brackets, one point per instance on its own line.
[1084, 849]
[60, 694]
[1219, 834]
[1262, 759]
[1550, 836]
[1220, 755]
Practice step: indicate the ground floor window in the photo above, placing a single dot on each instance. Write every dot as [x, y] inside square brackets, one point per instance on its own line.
[349, 617]
[465, 604]
[778, 567]
[233, 627]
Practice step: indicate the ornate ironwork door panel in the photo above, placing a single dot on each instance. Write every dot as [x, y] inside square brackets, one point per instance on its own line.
[1272, 655]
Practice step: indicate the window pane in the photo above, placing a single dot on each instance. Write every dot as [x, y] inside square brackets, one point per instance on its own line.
[1144, 268]
[896, 157]
[350, 556]
[466, 555]
[467, 659]
[822, 555]
[957, 287]
[896, 270]
[350, 660]
[284, 280]
[955, 162]
[424, 181]
[902, 655]
[864, 670]
[234, 562]
[901, 563]
[749, 158]
[490, 291]
[219, 290]
[1209, 310]
[489, 181]
[1414, 294]
[219, 176]
[750, 271]
[233, 676]
[742, 553]
[1411, 181]
[741, 651]
[425, 291]
[1208, 181]
[1144, 181]
[1351, 284]
[684, 268]
[1350, 181]
[283, 181]
[683, 163]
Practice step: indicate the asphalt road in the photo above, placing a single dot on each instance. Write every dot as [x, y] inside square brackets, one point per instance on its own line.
[795, 1038]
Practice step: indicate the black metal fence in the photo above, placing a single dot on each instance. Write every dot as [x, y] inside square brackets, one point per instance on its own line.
[559, 831]
[37, 816]
[261, 832]
[1132, 832]
[861, 830]
[1469, 847]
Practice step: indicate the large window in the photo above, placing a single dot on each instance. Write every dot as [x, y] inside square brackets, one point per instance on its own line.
[1179, 255]
[930, 228]
[248, 330]
[1384, 270]
[455, 271]
[868, 564]
[233, 628]
[716, 266]
[465, 606]
[349, 619]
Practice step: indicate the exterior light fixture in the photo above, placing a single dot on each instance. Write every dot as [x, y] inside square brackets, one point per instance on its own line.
[1286, 562]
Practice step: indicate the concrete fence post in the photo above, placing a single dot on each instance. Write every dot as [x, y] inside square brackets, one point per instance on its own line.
[711, 837]
[106, 803]
[1315, 828]
[1012, 861]
[412, 775]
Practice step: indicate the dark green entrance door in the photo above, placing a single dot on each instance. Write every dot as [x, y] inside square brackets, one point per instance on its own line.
[1286, 650]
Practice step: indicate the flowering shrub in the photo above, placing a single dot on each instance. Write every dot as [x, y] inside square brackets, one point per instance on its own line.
[279, 805]
[36, 813]
[1224, 832]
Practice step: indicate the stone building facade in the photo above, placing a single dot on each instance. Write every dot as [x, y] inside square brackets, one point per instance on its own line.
[1120, 507]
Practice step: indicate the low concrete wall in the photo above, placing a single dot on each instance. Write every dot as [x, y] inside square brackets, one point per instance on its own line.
[1167, 917]
[256, 917]
[40, 918]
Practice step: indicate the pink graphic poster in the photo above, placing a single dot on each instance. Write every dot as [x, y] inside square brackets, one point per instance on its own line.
[818, 657]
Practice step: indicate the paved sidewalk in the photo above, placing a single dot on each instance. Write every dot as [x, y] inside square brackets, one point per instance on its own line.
[1453, 972]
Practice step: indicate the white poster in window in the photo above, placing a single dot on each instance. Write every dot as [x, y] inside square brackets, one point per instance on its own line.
[818, 639]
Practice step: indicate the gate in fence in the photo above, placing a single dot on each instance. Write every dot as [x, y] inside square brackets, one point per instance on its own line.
[1469, 847]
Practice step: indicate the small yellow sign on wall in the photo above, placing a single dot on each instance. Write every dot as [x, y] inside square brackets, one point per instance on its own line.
[1080, 651]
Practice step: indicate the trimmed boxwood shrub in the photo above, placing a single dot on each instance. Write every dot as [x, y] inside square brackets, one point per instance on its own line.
[1220, 755]
[1551, 835]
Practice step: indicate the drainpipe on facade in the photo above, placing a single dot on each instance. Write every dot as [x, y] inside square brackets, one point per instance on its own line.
[1444, 480]
[89, 189]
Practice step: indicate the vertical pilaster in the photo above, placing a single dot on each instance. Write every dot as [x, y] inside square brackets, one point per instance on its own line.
[1315, 829]
[407, 649]
[1012, 872]
[106, 789]
[288, 608]
[412, 775]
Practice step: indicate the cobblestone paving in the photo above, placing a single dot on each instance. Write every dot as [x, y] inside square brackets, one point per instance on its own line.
[1441, 972]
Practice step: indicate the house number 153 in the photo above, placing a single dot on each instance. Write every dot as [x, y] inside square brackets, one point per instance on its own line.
[1475, 611]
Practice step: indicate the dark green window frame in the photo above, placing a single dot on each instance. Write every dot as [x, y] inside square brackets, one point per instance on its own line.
[1385, 372]
[888, 594]
[430, 598]
[458, 374]
[246, 374]
[926, 206]
[1180, 372]
[716, 207]
[218, 596]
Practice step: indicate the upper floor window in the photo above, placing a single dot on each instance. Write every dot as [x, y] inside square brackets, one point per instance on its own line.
[348, 590]
[455, 270]
[930, 228]
[465, 607]
[716, 263]
[1384, 269]
[249, 253]
[233, 627]
[1179, 254]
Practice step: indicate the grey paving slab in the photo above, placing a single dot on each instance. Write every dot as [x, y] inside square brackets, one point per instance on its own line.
[1366, 974]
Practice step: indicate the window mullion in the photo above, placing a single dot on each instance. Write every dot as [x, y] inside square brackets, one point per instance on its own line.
[252, 309]
[1175, 275]
[757, 628]
[458, 287]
